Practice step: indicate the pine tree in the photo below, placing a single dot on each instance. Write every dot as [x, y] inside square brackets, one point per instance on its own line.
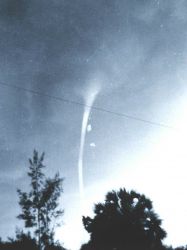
[40, 205]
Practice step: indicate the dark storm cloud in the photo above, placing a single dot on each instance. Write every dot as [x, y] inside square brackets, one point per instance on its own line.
[54, 47]
[55, 44]
[55, 37]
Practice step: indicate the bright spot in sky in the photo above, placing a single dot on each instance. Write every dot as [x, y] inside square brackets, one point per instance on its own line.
[89, 128]
[92, 144]
[160, 173]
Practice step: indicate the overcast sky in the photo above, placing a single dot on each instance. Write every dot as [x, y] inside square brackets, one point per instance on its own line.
[136, 52]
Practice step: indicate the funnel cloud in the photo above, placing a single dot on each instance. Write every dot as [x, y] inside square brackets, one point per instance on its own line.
[89, 98]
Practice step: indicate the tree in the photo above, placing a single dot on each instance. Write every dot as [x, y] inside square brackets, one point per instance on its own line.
[24, 241]
[40, 205]
[125, 221]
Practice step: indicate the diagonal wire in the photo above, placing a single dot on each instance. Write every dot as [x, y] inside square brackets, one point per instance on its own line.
[88, 106]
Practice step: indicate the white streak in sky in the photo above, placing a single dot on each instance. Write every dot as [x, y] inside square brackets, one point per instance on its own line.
[90, 97]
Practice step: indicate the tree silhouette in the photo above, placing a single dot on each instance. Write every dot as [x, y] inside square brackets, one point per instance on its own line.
[24, 241]
[125, 221]
[40, 205]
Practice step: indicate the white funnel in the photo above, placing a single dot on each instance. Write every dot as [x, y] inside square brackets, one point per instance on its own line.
[89, 99]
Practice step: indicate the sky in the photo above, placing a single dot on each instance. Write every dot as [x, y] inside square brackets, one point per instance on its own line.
[135, 53]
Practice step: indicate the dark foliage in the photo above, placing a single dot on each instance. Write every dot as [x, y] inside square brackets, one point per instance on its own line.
[26, 245]
[177, 248]
[22, 242]
[26, 242]
[125, 221]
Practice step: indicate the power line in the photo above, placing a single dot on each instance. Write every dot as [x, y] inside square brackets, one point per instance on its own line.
[88, 106]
